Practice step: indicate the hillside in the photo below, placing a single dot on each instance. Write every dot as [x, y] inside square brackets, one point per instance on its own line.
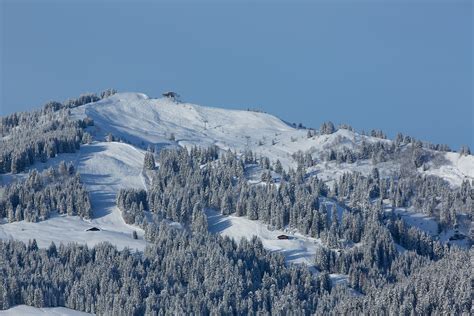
[135, 118]
[104, 169]
[187, 197]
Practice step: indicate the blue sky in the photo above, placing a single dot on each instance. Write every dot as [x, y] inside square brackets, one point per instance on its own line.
[394, 65]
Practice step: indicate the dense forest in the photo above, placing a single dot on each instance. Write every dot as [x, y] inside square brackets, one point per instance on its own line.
[183, 272]
[189, 181]
[26, 137]
[361, 242]
[40, 194]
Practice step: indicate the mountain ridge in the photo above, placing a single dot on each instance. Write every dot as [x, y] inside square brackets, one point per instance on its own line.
[140, 120]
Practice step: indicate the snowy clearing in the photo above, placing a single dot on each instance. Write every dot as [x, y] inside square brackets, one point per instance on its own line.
[67, 229]
[429, 225]
[105, 168]
[297, 249]
[457, 168]
[421, 221]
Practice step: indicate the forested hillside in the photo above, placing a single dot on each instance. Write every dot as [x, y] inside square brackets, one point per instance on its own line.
[54, 190]
[386, 224]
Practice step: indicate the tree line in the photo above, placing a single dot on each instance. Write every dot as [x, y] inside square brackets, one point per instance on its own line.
[180, 272]
[42, 193]
[28, 137]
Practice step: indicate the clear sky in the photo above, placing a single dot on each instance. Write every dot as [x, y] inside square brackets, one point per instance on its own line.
[394, 65]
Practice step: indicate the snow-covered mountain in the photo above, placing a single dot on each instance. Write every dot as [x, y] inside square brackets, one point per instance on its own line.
[140, 120]
[126, 127]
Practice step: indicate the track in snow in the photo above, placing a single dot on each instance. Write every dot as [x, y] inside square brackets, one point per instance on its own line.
[105, 168]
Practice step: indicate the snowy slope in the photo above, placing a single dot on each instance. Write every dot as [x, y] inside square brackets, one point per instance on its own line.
[137, 119]
[104, 169]
[298, 249]
[456, 169]
[140, 120]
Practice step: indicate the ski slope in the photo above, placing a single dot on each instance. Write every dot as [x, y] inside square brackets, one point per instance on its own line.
[105, 168]
[140, 120]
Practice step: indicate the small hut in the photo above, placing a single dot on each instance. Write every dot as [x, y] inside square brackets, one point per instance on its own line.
[93, 229]
[171, 95]
[283, 237]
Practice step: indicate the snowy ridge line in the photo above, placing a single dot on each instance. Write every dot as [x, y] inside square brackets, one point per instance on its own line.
[140, 120]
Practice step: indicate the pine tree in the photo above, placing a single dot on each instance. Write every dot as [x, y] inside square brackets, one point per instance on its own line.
[149, 161]
[327, 128]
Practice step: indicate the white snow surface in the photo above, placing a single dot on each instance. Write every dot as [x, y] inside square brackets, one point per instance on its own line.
[456, 169]
[140, 120]
[25, 310]
[297, 249]
[421, 221]
[104, 169]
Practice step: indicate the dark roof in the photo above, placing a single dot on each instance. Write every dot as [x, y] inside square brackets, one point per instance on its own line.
[283, 237]
[170, 94]
[457, 236]
[93, 229]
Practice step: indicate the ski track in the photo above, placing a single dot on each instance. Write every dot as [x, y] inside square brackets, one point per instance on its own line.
[105, 168]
